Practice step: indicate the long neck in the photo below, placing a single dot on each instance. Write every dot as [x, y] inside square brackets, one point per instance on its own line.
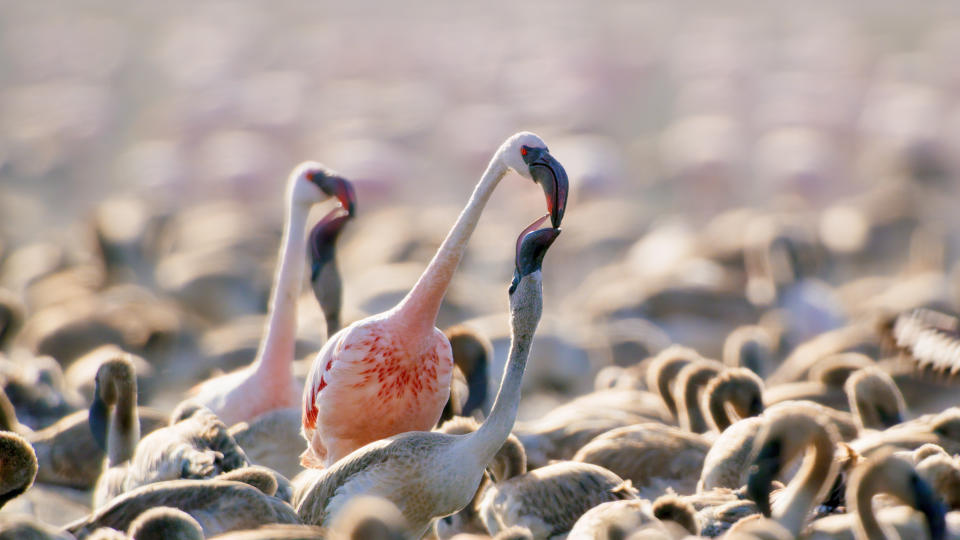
[666, 376]
[276, 348]
[691, 417]
[486, 441]
[418, 310]
[716, 401]
[807, 485]
[123, 433]
[867, 523]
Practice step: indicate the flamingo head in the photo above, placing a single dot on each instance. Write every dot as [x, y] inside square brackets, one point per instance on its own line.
[885, 472]
[527, 154]
[324, 275]
[113, 378]
[311, 182]
[783, 437]
[525, 291]
[323, 237]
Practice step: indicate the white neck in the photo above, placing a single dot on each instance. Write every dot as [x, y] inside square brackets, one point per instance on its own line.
[276, 348]
[419, 308]
[484, 443]
[808, 484]
[123, 428]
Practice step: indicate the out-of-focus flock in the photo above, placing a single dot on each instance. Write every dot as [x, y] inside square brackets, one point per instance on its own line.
[268, 271]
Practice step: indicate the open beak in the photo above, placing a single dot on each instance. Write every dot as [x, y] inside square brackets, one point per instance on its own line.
[552, 177]
[532, 245]
[342, 189]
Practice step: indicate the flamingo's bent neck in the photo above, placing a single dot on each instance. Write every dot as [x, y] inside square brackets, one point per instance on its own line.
[123, 431]
[487, 440]
[275, 356]
[808, 484]
[418, 310]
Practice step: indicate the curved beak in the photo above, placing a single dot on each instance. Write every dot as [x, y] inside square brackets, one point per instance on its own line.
[323, 237]
[932, 508]
[765, 466]
[97, 418]
[552, 177]
[342, 189]
[532, 245]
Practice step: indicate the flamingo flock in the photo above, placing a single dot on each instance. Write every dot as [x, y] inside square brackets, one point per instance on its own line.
[384, 433]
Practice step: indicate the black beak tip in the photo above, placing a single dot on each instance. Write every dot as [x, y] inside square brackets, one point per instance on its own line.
[339, 187]
[552, 177]
[351, 197]
[531, 250]
[555, 218]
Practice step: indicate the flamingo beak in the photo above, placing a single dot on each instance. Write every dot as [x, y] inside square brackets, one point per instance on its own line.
[552, 177]
[342, 189]
[532, 245]
[97, 418]
[323, 236]
[931, 506]
[765, 466]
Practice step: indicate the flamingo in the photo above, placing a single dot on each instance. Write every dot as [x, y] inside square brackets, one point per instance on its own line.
[268, 383]
[390, 373]
[430, 474]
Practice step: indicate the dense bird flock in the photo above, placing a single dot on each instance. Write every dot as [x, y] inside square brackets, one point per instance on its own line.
[819, 396]
[307, 360]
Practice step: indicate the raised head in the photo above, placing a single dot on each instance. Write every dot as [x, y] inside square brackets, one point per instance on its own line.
[525, 290]
[310, 183]
[528, 155]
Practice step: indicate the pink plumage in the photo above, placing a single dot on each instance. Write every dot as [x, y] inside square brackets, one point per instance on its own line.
[368, 383]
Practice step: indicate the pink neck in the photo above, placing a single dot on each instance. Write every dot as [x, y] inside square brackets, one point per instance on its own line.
[418, 310]
[276, 349]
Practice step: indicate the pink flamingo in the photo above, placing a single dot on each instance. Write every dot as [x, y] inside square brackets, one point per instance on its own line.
[390, 373]
[268, 382]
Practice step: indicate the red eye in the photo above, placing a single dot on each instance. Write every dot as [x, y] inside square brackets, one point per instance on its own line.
[523, 150]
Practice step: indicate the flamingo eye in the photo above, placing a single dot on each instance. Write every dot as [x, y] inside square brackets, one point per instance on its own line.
[523, 150]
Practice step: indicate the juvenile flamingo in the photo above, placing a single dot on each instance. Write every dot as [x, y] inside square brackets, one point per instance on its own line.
[324, 273]
[390, 373]
[268, 383]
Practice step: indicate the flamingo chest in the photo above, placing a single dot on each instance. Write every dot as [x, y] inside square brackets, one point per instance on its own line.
[384, 388]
